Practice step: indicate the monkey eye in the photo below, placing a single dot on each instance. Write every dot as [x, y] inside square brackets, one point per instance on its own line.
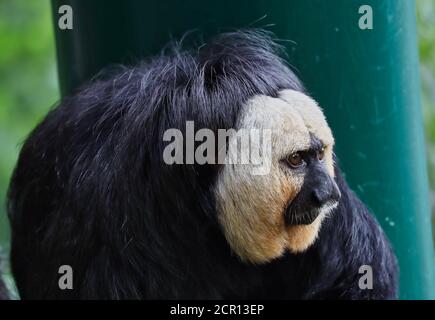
[295, 160]
[321, 153]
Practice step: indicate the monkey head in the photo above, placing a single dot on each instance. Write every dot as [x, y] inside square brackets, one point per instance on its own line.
[264, 215]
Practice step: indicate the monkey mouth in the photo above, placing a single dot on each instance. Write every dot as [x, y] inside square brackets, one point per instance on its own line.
[302, 218]
[305, 217]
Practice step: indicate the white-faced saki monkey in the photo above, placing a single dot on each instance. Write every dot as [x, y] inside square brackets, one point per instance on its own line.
[92, 190]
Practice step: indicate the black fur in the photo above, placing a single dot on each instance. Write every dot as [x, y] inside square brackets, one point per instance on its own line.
[91, 190]
[3, 290]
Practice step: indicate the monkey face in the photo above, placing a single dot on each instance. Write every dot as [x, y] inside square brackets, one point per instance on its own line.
[262, 216]
[319, 192]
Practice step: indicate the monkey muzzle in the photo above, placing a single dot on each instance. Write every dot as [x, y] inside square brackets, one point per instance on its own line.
[319, 194]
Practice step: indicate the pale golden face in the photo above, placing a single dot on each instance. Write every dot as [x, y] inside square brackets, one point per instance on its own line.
[251, 207]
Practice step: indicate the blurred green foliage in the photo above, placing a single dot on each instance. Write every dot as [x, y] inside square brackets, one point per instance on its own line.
[28, 83]
[426, 35]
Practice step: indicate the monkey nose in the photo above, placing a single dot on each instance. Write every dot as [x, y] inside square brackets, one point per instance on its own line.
[324, 193]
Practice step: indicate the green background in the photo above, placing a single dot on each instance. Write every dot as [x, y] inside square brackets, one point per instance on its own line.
[28, 88]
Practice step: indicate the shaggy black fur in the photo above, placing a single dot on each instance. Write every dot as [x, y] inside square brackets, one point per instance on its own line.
[91, 190]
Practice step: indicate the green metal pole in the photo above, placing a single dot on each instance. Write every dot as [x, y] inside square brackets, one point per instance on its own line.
[366, 80]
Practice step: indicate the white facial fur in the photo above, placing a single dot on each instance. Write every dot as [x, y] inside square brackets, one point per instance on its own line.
[251, 207]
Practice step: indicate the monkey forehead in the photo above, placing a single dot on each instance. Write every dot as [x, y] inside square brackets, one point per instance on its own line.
[283, 120]
[292, 116]
[311, 114]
